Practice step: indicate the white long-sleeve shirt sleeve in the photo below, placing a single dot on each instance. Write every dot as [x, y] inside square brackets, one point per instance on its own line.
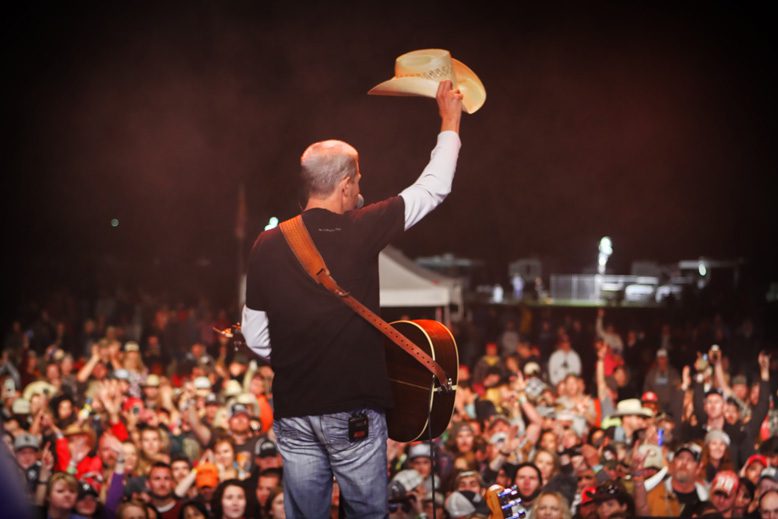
[434, 184]
[254, 327]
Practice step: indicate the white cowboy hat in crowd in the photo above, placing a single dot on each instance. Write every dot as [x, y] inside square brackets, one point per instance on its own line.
[417, 73]
[634, 407]
[39, 387]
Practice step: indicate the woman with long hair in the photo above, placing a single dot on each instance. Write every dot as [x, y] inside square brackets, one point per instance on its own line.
[547, 462]
[229, 500]
[154, 446]
[132, 360]
[715, 455]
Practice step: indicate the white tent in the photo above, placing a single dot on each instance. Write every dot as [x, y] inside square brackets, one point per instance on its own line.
[404, 283]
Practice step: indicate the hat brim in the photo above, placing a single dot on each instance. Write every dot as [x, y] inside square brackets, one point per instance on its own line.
[695, 455]
[643, 412]
[473, 91]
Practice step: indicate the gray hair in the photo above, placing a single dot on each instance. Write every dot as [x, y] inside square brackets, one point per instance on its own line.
[324, 164]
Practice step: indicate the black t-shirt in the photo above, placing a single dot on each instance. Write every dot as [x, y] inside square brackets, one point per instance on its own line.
[325, 357]
[688, 499]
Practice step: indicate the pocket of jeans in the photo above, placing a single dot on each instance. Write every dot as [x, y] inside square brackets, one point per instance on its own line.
[377, 422]
[285, 429]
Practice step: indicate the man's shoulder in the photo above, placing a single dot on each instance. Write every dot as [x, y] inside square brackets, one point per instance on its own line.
[268, 244]
[388, 207]
[266, 237]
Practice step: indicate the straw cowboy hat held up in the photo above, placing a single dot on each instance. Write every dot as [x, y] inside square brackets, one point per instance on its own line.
[417, 73]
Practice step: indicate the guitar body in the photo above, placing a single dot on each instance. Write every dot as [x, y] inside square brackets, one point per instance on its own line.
[420, 408]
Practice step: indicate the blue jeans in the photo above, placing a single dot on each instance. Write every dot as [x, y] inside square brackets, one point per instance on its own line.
[315, 448]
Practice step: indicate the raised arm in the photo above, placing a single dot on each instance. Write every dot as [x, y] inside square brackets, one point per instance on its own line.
[763, 404]
[188, 411]
[7, 367]
[602, 386]
[187, 481]
[598, 325]
[115, 492]
[434, 184]
[720, 381]
[83, 374]
[249, 375]
[529, 410]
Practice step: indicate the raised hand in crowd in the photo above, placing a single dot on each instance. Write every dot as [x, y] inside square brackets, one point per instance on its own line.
[686, 378]
[86, 370]
[764, 365]
[714, 355]
[46, 470]
[701, 363]
[166, 395]
[36, 427]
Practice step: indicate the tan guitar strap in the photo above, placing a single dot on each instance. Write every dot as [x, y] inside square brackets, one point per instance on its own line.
[299, 240]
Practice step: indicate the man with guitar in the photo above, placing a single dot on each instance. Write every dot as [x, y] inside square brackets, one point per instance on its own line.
[330, 387]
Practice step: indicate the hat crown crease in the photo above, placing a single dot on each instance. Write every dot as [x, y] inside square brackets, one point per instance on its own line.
[427, 68]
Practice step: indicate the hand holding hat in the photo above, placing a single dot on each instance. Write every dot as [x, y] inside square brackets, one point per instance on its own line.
[449, 105]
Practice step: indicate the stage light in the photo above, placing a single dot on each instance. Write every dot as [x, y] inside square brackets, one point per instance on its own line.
[606, 249]
[114, 222]
[702, 269]
[272, 223]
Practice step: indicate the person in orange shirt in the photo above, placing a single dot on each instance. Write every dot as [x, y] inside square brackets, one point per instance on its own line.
[258, 388]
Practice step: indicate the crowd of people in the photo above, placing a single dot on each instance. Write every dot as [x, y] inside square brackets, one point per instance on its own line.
[142, 410]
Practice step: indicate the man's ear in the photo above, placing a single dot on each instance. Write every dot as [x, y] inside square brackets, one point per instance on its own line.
[345, 186]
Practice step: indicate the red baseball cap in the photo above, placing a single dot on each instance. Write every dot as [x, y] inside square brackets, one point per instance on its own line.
[587, 495]
[756, 458]
[132, 402]
[650, 396]
[725, 481]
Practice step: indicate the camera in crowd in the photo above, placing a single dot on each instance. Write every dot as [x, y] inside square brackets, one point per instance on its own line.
[402, 490]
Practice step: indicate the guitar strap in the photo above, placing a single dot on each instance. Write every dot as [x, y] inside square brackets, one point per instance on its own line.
[299, 240]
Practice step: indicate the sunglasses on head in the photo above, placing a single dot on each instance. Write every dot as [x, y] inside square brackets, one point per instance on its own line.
[610, 488]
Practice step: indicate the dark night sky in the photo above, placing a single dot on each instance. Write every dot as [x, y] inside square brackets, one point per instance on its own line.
[652, 125]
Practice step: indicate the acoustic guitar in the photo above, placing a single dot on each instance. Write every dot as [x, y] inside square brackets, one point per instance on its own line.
[421, 406]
